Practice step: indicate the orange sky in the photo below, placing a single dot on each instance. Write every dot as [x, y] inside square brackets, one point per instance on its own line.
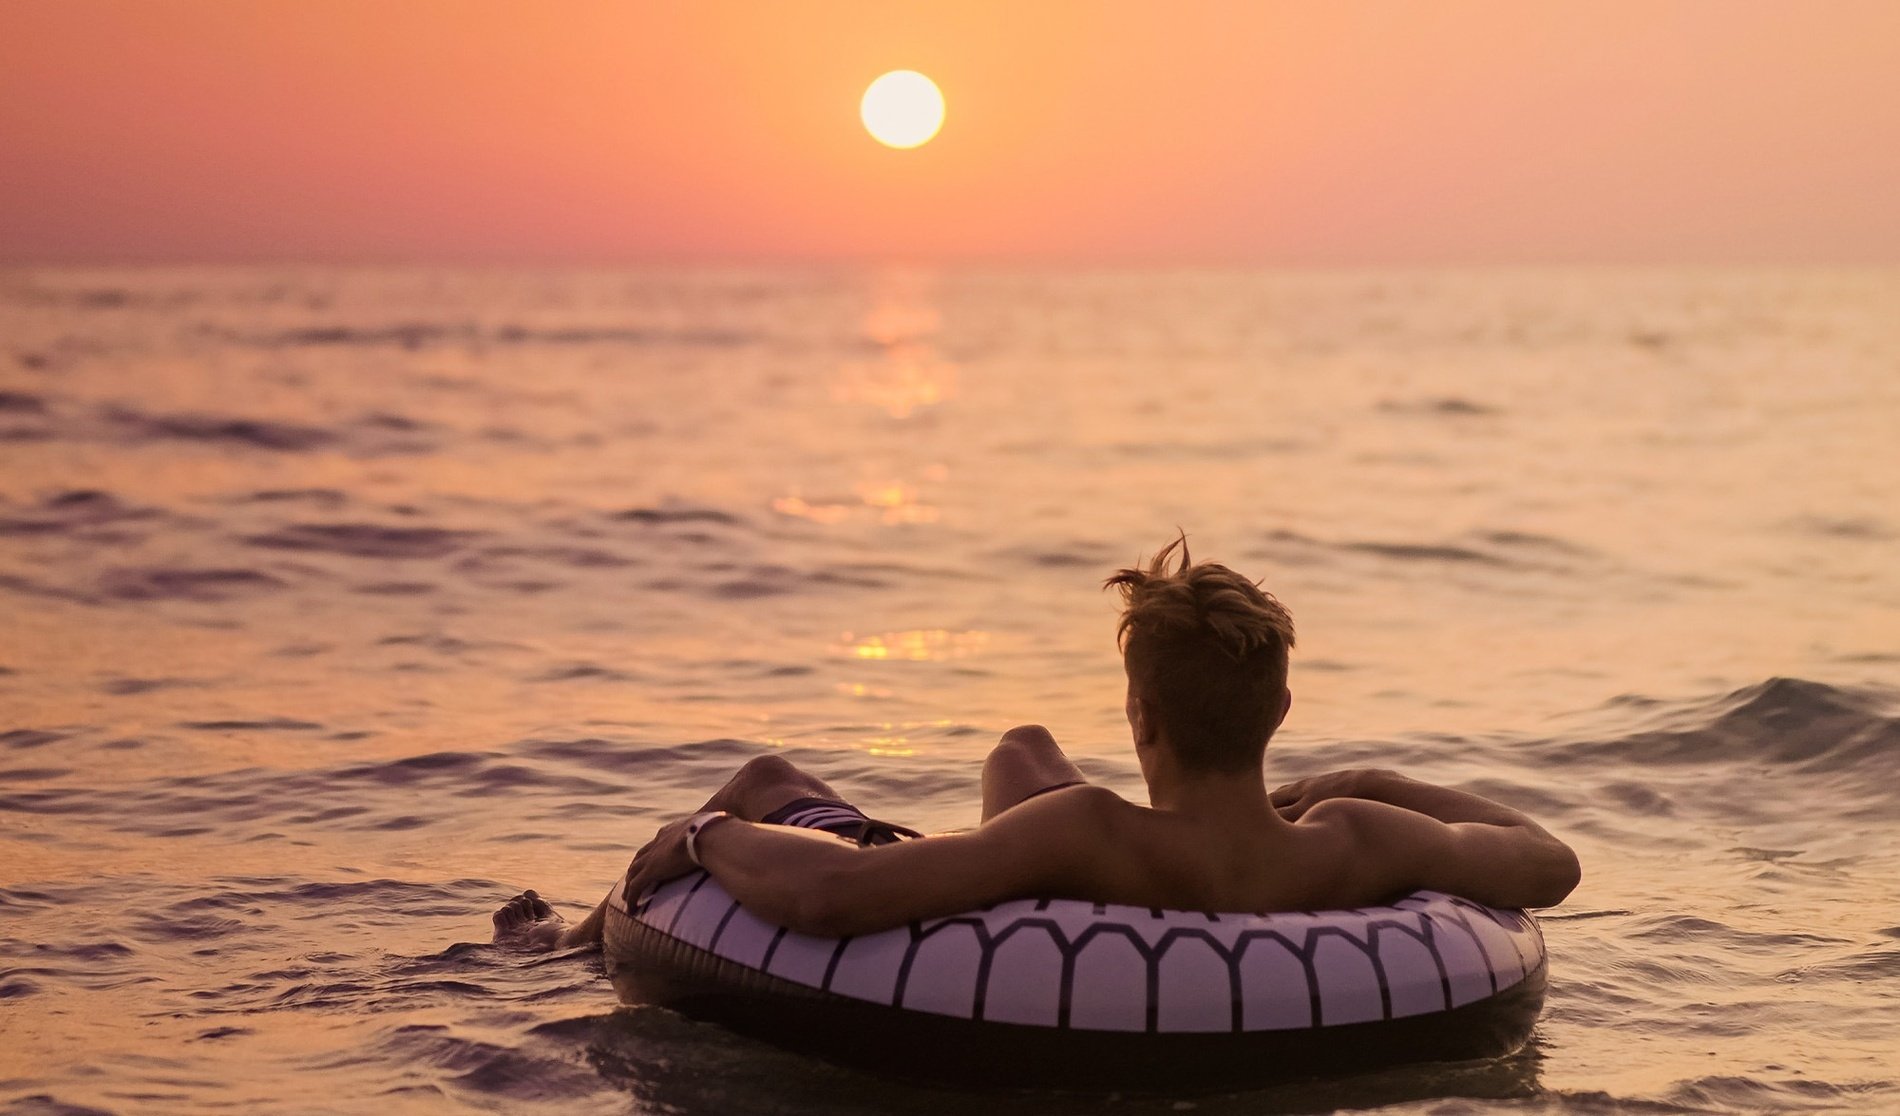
[1456, 131]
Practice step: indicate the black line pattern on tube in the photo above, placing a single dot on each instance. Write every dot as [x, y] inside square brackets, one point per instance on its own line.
[983, 963]
[765, 963]
[1514, 924]
[1458, 918]
[1237, 1018]
[1065, 994]
[1413, 922]
[1378, 971]
[1430, 942]
[1512, 929]
[719, 931]
[831, 967]
[679, 912]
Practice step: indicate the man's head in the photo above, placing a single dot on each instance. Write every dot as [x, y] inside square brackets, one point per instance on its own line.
[1205, 650]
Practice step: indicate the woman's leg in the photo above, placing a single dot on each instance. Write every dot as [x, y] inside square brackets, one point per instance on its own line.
[763, 785]
[1025, 762]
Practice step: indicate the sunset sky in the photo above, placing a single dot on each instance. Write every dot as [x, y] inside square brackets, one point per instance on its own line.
[1468, 131]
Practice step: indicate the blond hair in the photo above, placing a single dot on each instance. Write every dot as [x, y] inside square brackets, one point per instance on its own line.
[1206, 652]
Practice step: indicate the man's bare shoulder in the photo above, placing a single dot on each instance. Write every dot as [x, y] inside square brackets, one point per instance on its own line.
[1071, 834]
[1084, 804]
[1361, 827]
[1364, 851]
[1356, 813]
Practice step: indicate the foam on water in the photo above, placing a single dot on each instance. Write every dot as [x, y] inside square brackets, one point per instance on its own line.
[337, 607]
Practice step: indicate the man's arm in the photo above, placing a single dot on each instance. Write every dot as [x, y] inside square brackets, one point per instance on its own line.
[1411, 835]
[1047, 847]
[821, 884]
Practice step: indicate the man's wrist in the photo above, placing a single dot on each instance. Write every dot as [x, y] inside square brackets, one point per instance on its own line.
[696, 825]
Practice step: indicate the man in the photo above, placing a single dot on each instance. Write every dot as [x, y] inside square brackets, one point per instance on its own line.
[1205, 652]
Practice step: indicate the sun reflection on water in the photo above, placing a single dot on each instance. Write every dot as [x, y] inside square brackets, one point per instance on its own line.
[889, 500]
[897, 502]
[909, 373]
[860, 690]
[800, 508]
[898, 746]
[908, 378]
[917, 645]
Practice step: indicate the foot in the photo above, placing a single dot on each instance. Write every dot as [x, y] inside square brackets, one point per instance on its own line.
[527, 922]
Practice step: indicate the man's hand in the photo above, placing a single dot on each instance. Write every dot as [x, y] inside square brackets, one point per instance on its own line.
[527, 922]
[661, 859]
[1294, 799]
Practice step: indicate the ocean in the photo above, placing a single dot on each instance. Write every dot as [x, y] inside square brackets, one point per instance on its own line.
[337, 606]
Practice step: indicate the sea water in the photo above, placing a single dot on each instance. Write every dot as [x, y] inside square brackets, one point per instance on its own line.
[338, 606]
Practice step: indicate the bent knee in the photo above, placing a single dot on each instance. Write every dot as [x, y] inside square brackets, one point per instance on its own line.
[769, 768]
[1026, 738]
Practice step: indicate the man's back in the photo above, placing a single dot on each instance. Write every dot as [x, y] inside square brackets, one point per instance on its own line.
[1234, 860]
[1354, 847]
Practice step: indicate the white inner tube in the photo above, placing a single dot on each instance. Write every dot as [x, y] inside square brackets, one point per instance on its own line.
[1104, 968]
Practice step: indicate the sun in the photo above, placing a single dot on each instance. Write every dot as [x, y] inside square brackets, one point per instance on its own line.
[902, 109]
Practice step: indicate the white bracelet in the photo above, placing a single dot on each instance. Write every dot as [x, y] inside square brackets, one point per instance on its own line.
[694, 825]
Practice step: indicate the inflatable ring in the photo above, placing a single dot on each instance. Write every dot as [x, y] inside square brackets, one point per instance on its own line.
[1062, 994]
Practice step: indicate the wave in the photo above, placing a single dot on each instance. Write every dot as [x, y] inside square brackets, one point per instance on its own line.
[244, 804]
[419, 335]
[1739, 1093]
[672, 514]
[1066, 555]
[1494, 549]
[1857, 528]
[1531, 540]
[72, 510]
[1800, 726]
[96, 298]
[1423, 552]
[583, 672]
[372, 433]
[493, 558]
[22, 739]
[509, 1074]
[256, 433]
[266, 724]
[128, 687]
[366, 540]
[161, 584]
[1237, 449]
[28, 587]
[327, 497]
[443, 644]
[153, 583]
[1447, 405]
